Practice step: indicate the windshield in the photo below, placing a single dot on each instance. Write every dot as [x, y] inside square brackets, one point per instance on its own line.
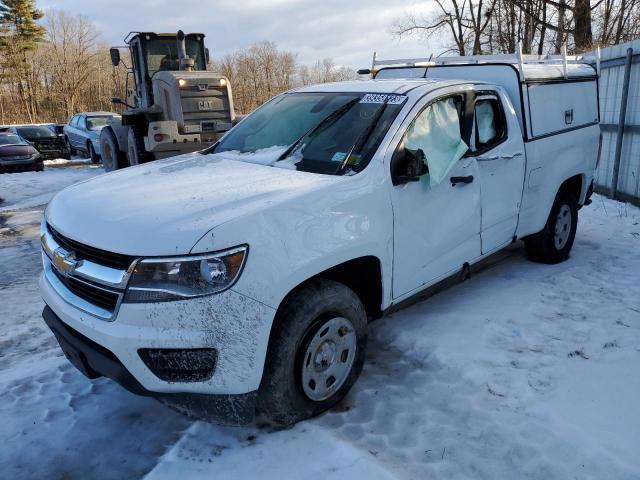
[96, 123]
[35, 132]
[331, 133]
[162, 54]
[11, 140]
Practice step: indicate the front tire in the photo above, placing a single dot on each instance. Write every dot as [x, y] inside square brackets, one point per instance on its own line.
[553, 244]
[316, 352]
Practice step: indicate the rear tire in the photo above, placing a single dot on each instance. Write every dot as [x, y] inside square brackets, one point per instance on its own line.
[316, 352]
[112, 158]
[553, 243]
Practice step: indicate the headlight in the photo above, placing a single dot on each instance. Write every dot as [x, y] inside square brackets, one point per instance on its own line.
[180, 278]
[182, 83]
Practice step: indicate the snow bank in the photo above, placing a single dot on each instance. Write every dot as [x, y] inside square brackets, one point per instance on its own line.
[63, 162]
[306, 451]
[30, 189]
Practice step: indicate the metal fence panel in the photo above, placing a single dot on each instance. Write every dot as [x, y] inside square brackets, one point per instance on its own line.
[611, 81]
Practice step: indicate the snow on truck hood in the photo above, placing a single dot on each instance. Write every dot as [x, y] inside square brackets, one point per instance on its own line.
[165, 207]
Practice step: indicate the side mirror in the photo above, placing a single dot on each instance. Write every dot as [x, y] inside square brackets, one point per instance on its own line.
[119, 101]
[409, 166]
[206, 56]
[115, 56]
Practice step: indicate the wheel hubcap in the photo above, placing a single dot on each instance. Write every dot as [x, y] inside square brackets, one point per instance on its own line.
[563, 227]
[328, 359]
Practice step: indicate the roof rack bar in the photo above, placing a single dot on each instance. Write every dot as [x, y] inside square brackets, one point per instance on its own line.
[514, 58]
[520, 62]
[373, 64]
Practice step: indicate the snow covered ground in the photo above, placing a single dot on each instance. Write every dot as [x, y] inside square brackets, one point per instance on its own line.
[525, 371]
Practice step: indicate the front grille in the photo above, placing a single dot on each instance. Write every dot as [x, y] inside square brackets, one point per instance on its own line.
[85, 252]
[100, 297]
[49, 142]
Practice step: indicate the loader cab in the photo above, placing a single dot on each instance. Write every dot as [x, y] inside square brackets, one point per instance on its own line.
[155, 52]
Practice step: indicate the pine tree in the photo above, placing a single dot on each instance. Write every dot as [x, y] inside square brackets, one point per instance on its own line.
[19, 34]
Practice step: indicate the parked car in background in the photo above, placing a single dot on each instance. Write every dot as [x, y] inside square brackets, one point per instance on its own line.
[18, 155]
[82, 133]
[43, 138]
[58, 129]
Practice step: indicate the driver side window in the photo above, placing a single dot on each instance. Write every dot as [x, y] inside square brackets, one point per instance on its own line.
[435, 136]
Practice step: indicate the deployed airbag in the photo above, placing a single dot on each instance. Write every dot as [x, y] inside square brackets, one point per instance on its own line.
[437, 132]
[485, 122]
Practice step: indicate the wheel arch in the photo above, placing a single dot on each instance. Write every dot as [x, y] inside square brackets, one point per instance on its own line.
[576, 186]
[363, 275]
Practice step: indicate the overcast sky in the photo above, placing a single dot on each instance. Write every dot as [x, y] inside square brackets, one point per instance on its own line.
[347, 31]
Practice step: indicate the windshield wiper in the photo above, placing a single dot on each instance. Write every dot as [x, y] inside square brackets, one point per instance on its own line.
[327, 121]
[364, 136]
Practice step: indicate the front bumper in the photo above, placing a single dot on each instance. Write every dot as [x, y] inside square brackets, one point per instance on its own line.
[236, 326]
[20, 165]
[52, 152]
[95, 361]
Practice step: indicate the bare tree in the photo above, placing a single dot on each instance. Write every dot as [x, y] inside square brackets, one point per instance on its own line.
[465, 21]
[73, 49]
[539, 25]
[324, 71]
[261, 71]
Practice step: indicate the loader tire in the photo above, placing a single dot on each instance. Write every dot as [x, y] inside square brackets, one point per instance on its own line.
[136, 152]
[112, 157]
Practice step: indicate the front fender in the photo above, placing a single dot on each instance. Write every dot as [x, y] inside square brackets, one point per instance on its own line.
[295, 240]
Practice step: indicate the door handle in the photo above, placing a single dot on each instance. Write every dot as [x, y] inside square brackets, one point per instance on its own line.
[456, 180]
[488, 159]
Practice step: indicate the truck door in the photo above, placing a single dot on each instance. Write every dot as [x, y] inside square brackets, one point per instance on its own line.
[436, 219]
[498, 147]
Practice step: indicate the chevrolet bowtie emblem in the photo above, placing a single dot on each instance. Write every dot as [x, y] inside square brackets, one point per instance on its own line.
[64, 262]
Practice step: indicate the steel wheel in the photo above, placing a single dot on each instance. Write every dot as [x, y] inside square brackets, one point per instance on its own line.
[328, 359]
[562, 227]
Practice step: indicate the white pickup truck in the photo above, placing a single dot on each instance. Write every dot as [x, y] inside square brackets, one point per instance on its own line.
[241, 278]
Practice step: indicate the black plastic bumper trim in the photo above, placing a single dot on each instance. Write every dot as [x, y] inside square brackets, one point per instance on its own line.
[95, 361]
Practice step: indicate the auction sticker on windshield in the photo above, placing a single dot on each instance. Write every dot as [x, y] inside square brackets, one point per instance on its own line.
[383, 98]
